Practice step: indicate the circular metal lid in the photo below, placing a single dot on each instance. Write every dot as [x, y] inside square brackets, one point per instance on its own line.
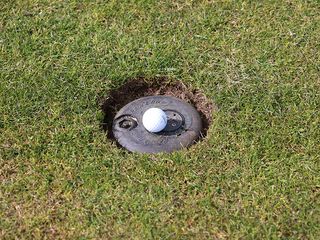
[183, 127]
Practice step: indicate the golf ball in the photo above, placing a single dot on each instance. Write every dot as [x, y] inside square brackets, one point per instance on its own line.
[154, 120]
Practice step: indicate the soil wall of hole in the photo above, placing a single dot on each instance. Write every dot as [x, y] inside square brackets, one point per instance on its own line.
[141, 87]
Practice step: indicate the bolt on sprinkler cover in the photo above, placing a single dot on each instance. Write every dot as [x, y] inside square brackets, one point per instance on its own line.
[183, 125]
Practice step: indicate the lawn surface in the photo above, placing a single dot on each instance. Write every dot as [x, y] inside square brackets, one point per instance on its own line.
[255, 176]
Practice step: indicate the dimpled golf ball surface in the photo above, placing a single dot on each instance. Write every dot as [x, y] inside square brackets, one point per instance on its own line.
[154, 120]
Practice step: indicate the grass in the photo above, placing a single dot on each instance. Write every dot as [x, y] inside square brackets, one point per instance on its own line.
[255, 176]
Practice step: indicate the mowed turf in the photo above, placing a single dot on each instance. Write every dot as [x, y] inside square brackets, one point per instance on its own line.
[255, 176]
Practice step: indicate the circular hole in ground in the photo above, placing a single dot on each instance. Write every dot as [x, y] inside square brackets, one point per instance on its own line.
[141, 87]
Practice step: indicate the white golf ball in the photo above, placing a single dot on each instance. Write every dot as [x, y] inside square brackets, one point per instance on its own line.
[154, 120]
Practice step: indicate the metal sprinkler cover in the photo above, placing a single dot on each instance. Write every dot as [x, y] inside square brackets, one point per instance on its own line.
[183, 125]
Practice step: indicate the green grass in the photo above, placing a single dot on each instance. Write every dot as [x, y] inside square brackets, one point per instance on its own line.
[255, 176]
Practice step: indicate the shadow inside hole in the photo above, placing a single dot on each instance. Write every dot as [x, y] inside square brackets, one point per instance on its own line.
[140, 87]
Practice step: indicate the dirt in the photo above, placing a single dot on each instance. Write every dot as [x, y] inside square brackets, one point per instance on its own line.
[141, 87]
